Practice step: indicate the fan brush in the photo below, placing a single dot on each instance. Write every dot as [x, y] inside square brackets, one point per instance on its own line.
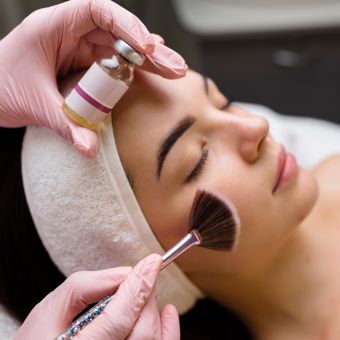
[213, 224]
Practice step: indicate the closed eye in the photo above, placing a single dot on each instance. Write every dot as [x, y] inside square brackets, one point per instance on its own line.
[198, 168]
[230, 100]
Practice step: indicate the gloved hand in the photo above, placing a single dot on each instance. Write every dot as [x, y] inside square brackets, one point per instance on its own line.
[56, 41]
[132, 314]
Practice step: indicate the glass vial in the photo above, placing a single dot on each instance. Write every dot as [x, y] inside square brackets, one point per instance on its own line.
[102, 86]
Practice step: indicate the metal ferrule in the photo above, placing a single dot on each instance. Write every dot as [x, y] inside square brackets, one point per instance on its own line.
[191, 239]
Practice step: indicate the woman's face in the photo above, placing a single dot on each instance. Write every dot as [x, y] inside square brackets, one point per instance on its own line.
[223, 149]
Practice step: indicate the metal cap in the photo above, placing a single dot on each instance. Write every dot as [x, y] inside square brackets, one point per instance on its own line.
[128, 52]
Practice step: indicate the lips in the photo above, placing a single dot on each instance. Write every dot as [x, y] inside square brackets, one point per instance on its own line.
[286, 169]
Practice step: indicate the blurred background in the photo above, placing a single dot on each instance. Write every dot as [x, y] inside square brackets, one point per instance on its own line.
[281, 53]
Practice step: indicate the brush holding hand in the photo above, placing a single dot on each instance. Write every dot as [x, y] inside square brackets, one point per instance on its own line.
[133, 312]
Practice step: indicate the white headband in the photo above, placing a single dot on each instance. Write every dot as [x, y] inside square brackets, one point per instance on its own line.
[86, 213]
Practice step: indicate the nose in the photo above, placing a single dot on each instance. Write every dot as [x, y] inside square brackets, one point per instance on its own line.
[243, 132]
[252, 131]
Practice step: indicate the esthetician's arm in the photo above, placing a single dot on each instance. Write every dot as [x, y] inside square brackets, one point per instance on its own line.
[56, 41]
[132, 314]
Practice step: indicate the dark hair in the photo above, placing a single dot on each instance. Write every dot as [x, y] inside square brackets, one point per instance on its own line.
[28, 274]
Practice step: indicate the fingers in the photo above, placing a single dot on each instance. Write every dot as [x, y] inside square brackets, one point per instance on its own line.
[82, 17]
[83, 139]
[148, 326]
[137, 291]
[165, 62]
[153, 325]
[121, 313]
[84, 288]
[123, 24]
[170, 323]
[158, 39]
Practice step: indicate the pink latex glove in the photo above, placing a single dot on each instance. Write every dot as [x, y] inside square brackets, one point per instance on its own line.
[56, 41]
[132, 314]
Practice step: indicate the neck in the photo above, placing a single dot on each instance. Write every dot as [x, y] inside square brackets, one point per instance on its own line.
[288, 290]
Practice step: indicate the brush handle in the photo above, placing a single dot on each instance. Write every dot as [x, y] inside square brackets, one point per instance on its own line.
[84, 319]
[191, 239]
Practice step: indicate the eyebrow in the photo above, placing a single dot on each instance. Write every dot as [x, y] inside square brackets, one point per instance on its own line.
[169, 141]
[172, 137]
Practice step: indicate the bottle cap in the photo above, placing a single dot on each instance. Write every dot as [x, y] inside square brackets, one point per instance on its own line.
[128, 52]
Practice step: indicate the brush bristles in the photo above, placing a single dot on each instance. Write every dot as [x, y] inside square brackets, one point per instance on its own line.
[216, 220]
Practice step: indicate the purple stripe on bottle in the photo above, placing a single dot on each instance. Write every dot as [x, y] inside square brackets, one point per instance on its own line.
[91, 100]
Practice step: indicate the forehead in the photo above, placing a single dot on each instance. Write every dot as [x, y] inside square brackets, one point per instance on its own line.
[147, 112]
[160, 93]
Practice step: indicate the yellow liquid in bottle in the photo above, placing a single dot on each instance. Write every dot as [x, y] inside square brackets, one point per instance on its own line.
[78, 119]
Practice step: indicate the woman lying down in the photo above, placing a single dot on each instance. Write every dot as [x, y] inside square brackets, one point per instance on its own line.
[167, 139]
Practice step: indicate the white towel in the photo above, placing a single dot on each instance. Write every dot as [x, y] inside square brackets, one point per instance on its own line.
[8, 325]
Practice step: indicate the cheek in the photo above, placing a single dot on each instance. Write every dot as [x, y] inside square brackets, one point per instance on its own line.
[262, 221]
[246, 189]
[267, 221]
[167, 216]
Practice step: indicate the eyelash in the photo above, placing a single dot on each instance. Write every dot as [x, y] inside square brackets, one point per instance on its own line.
[198, 168]
[230, 101]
